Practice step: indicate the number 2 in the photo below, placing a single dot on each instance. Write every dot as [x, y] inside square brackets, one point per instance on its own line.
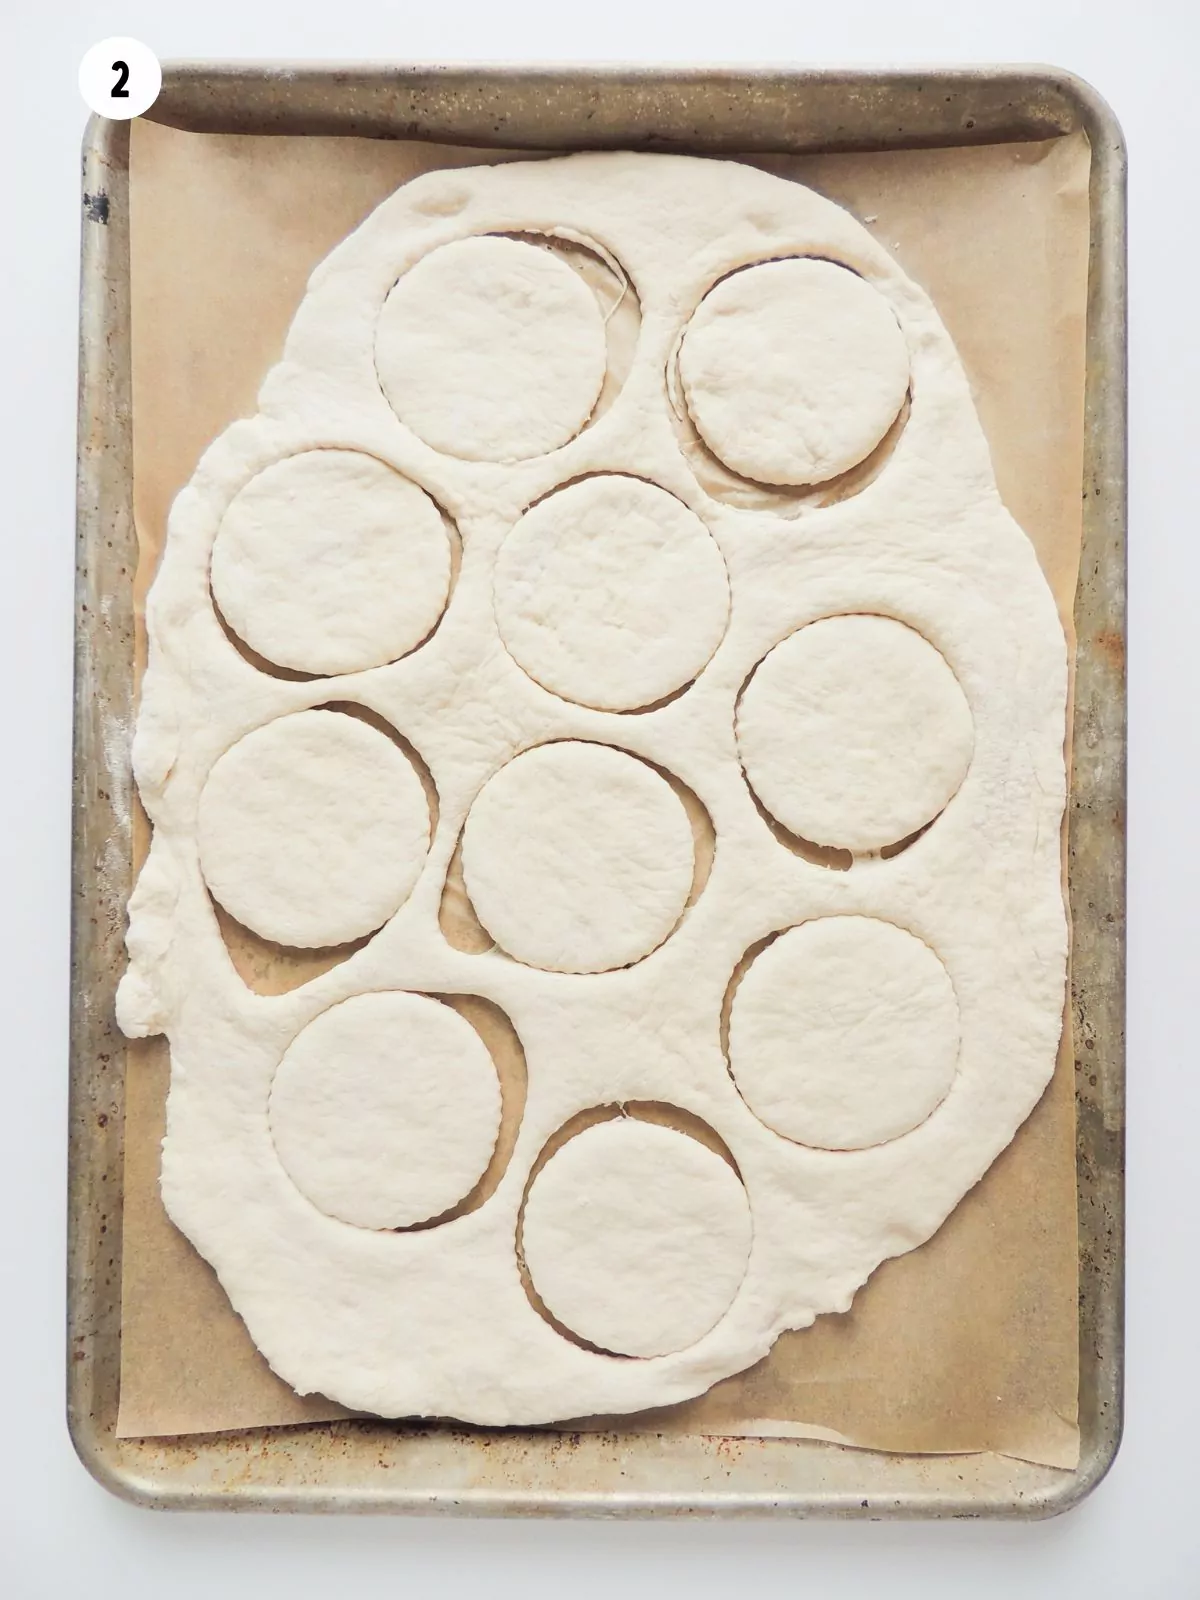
[118, 90]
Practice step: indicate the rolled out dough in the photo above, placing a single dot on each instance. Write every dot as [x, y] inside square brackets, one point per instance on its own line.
[611, 592]
[385, 1109]
[945, 675]
[312, 829]
[330, 562]
[854, 732]
[844, 1032]
[578, 857]
[793, 371]
[636, 1237]
[491, 349]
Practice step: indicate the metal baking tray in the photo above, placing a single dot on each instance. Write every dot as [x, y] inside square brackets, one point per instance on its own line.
[384, 1467]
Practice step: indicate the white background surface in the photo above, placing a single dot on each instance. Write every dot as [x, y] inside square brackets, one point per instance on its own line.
[1139, 1535]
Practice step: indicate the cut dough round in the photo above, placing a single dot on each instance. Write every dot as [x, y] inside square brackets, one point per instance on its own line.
[793, 371]
[330, 562]
[611, 592]
[636, 1237]
[578, 857]
[385, 1109]
[491, 349]
[844, 1032]
[854, 732]
[313, 829]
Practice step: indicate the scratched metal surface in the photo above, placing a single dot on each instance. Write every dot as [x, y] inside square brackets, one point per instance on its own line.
[383, 1467]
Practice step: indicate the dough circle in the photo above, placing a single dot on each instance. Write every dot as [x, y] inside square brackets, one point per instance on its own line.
[328, 562]
[610, 592]
[384, 1111]
[578, 857]
[491, 349]
[636, 1237]
[854, 732]
[313, 829]
[793, 370]
[844, 1032]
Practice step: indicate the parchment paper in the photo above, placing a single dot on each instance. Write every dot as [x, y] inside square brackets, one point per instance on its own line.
[969, 1343]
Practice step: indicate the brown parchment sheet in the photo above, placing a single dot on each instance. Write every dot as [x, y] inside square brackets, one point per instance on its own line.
[969, 1343]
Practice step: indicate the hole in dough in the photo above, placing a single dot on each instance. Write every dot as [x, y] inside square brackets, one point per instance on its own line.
[620, 305]
[268, 968]
[891, 850]
[504, 1045]
[793, 371]
[819, 855]
[578, 857]
[461, 928]
[252, 657]
[611, 593]
[704, 835]
[843, 1032]
[854, 733]
[313, 829]
[634, 1236]
[744, 494]
[385, 1110]
[491, 349]
[372, 719]
[330, 562]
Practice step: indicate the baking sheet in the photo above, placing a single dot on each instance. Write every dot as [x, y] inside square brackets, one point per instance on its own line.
[967, 1344]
